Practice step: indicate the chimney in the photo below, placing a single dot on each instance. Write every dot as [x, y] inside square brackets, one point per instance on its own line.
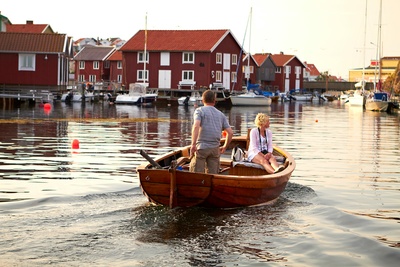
[30, 22]
[281, 53]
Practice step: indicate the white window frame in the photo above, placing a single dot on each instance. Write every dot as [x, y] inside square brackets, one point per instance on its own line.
[92, 78]
[140, 74]
[218, 76]
[81, 78]
[288, 69]
[233, 77]
[119, 65]
[234, 59]
[81, 65]
[188, 58]
[27, 62]
[140, 57]
[218, 58]
[187, 75]
[164, 59]
[119, 78]
[96, 65]
[278, 70]
[106, 64]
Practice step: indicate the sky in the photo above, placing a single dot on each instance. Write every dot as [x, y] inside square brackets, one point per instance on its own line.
[331, 34]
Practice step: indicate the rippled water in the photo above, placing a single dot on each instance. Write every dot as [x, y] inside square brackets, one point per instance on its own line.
[66, 206]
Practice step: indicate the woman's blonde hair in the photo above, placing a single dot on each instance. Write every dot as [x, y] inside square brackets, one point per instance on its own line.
[261, 119]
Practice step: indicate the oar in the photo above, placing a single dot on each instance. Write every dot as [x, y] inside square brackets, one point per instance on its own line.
[173, 190]
[152, 162]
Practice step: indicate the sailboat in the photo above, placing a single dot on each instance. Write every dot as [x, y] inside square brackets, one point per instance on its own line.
[251, 97]
[138, 92]
[378, 101]
[358, 98]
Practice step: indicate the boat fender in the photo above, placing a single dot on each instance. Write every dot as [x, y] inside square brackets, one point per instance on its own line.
[238, 154]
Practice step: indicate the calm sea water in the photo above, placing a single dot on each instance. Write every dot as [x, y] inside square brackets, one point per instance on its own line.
[67, 206]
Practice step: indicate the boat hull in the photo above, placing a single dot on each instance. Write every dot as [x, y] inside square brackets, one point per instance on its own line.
[250, 100]
[135, 100]
[237, 185]
[380, 106]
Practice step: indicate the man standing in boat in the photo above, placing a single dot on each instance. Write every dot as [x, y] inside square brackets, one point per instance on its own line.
[208, 124]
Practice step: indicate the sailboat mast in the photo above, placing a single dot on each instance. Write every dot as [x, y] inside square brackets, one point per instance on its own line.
[365, 35]
[379, 44]
[145, 50]
[249, 53]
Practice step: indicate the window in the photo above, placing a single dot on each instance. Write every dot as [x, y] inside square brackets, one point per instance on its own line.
[81, 78]
[218, 58]
[107, 64]
[278, 70]
[298, 70]
[143, 75]
[187, 75]
[164, 59]
[92, 78]
[288, 69]
[233, 77]
[188, 57]
[234, 59]
[119, 65]
[119, 78]
[218, 76]
[140, 58]
[26, 62]
[81, 65]
[95, 65]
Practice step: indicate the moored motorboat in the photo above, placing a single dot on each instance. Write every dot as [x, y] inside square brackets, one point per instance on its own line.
[377, 102]
[138, 94]
[76, 96]
[250, 98]
[191, 100]
[239, 184]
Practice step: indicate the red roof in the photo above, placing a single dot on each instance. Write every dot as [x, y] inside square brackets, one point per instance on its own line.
[260, 58]
[33, 42]
[175, 40]
[115, 56]
[28, 28]
[312, 69]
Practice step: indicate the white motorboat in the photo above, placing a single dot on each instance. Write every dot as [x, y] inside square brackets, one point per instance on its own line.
[193, 100]
[377, 102]
[137, 95]
[357, 99]
[76, 96]
[250, 99]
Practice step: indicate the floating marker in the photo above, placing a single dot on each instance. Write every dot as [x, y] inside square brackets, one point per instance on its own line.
[75, 144]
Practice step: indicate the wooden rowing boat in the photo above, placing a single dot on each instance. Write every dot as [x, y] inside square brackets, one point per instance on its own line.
[166, 181]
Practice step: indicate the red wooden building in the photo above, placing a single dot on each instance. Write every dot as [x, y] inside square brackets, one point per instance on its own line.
[289, 72]
[116, 71]
[184, 58]
[34, 59]
[91, 64]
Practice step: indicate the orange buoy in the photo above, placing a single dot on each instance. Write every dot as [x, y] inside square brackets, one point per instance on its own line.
[75, 144]
[316, 120]
[47, 106]
[223, 134]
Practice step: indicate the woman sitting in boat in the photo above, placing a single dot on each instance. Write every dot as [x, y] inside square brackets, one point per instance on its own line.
[260, 147]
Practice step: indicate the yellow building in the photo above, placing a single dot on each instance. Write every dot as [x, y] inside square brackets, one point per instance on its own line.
[371, 72]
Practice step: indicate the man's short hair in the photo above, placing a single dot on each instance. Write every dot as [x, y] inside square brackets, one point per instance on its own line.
[208, 97]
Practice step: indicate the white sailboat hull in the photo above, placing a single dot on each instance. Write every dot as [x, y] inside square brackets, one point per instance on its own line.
[374, 105]
[250, 99]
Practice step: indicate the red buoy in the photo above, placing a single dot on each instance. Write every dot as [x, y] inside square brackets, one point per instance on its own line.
[75, 144]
